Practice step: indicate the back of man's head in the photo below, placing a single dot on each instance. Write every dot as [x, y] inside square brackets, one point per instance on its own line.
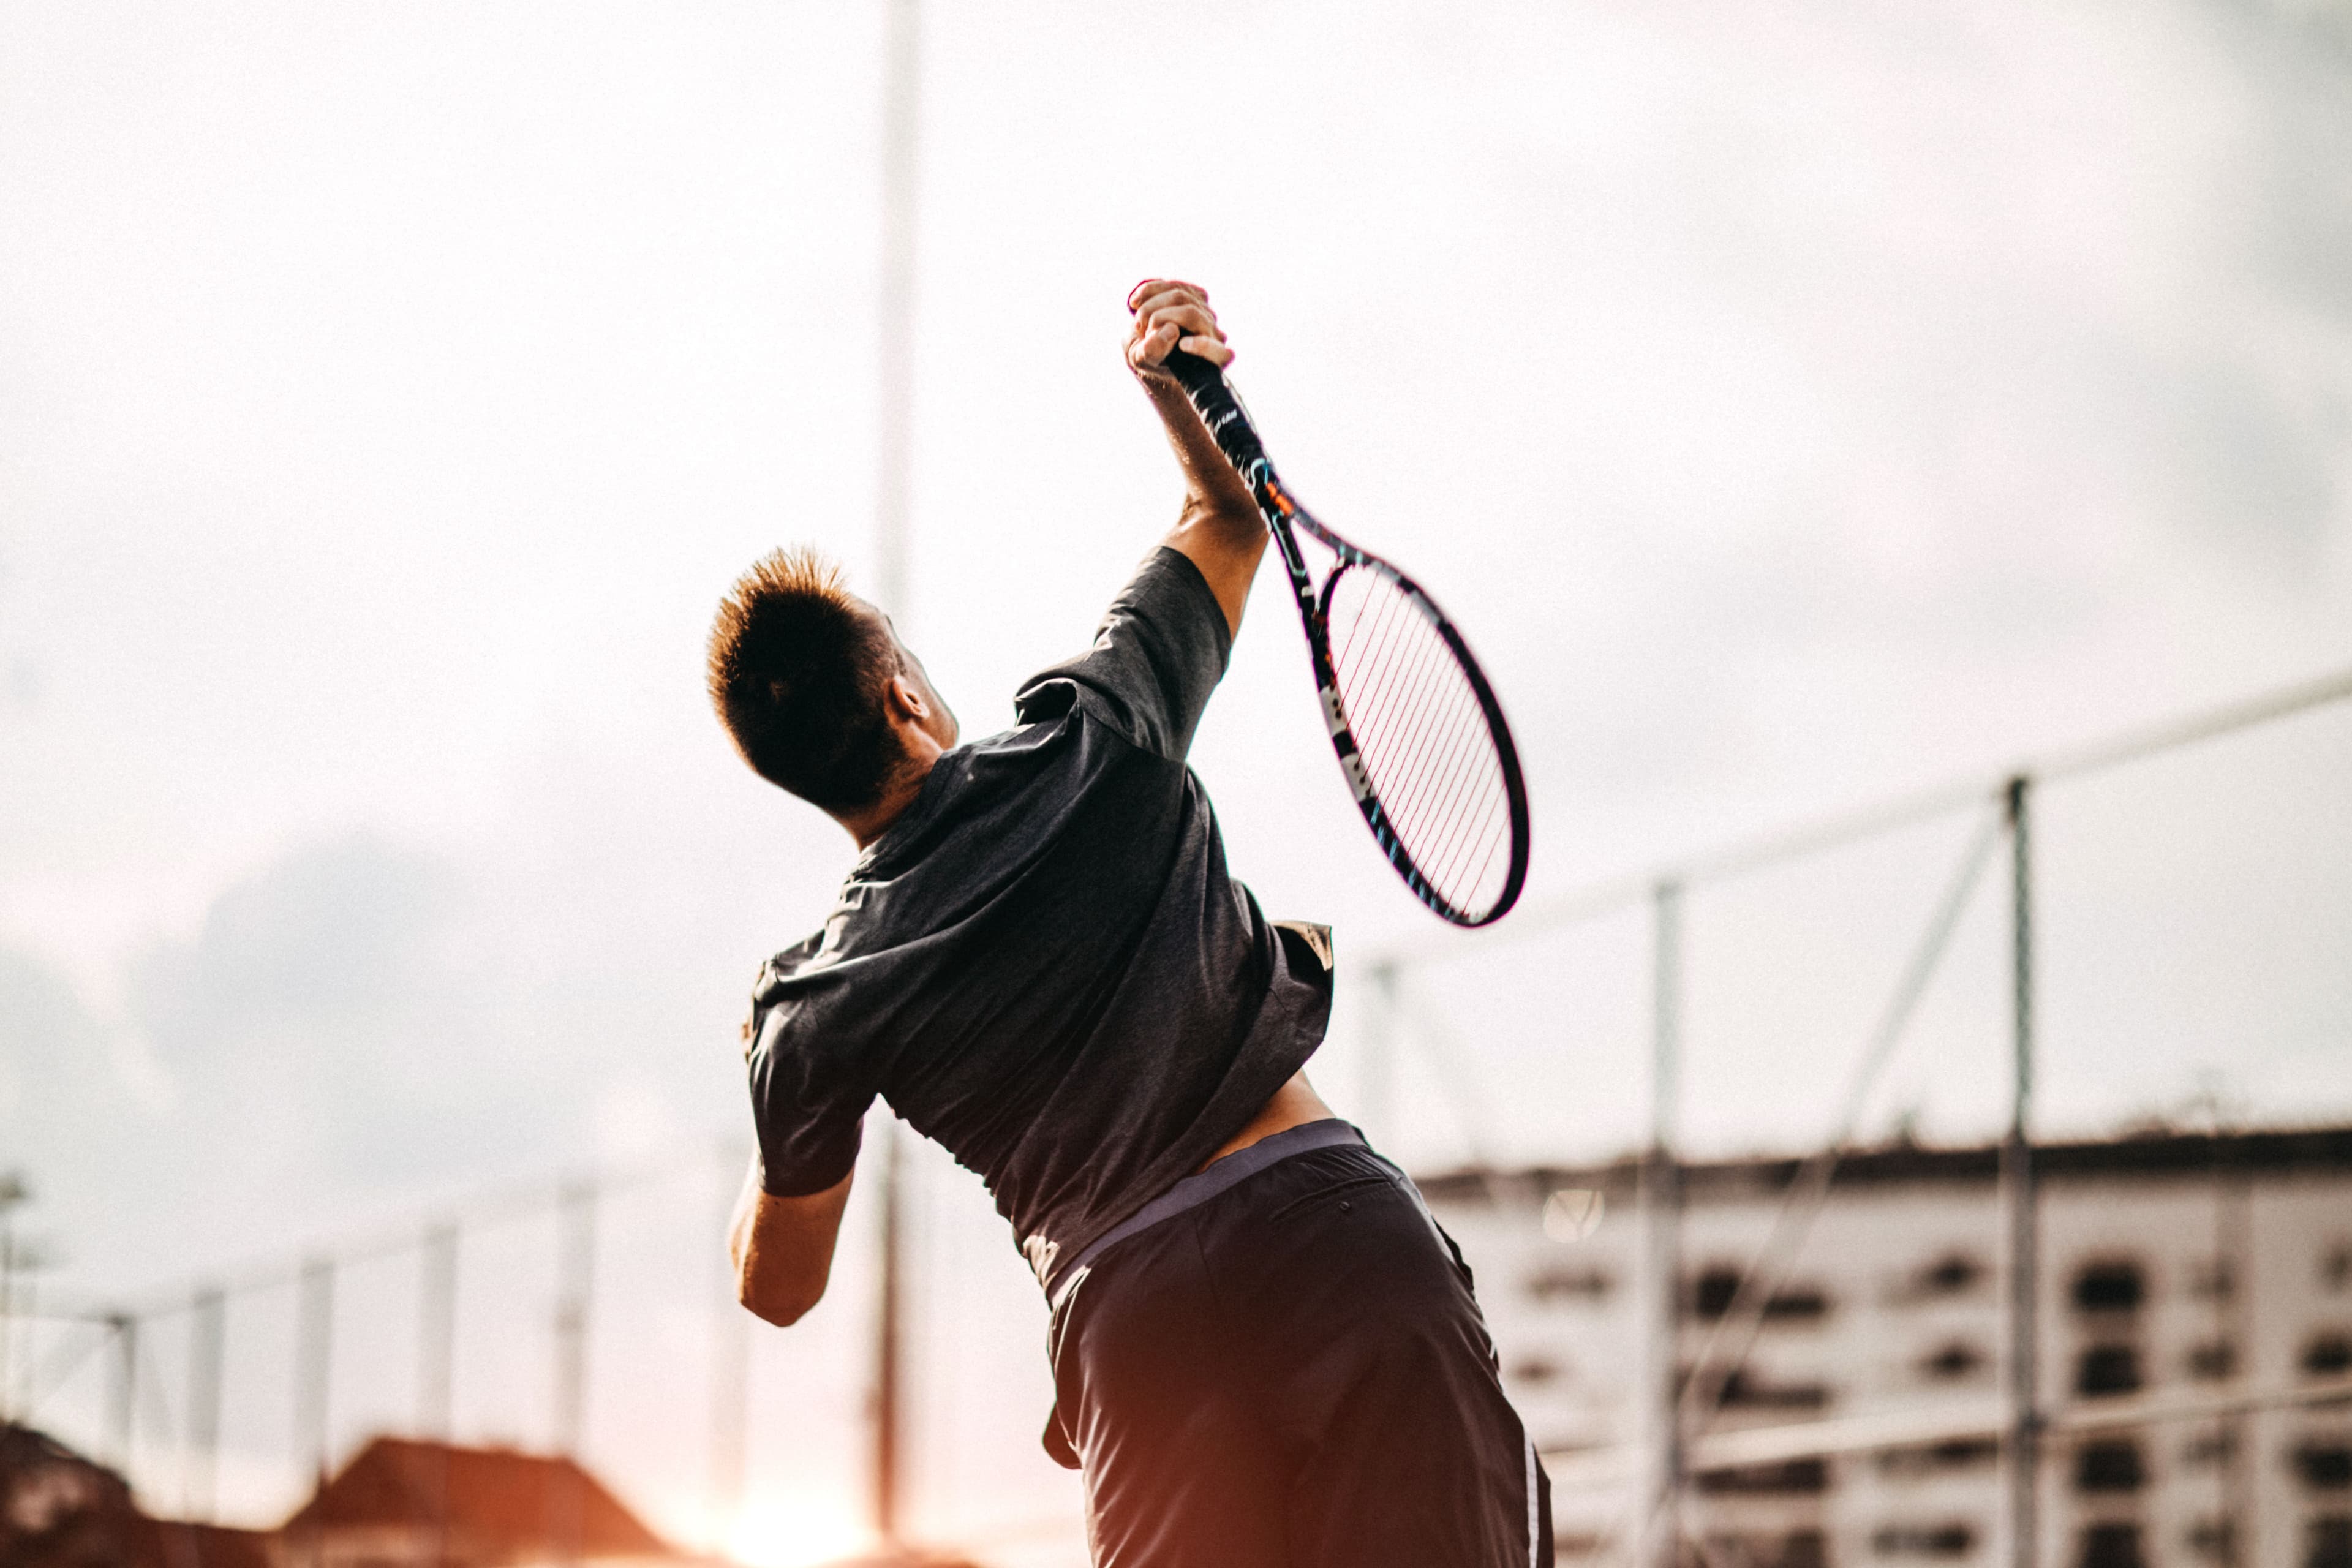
[799, 671]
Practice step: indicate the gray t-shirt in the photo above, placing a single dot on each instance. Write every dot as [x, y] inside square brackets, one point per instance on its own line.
[1045, 965]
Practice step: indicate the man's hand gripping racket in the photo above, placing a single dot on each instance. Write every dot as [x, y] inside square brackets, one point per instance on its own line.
[1418, 733]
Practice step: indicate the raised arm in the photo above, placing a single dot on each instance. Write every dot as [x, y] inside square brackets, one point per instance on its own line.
[782, 1247]
[1219, 529]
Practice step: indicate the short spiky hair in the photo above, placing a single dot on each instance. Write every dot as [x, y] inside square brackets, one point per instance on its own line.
[797, 672]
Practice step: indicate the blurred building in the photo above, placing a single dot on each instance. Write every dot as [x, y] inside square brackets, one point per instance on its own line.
[61, 1510]
[397, 1504]
[2195, 1334]
[401, 1503]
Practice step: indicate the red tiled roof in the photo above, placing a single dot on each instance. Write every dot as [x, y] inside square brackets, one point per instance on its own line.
[172, 1543]
[501, 1501]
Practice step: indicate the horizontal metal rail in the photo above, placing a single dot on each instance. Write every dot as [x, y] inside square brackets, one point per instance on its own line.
[1737, 859]
[1950, 1421]
[512, 1204]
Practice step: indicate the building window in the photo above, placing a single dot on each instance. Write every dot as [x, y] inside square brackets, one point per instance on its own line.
[1952, 1453]
[2109, 1467]
[1954, 1362]
[2111, 1546]
[1950, 1538]
[2328, 1356]
[2325, 1467]
[1568, 1284]
[1745, 1390]
[2214, 1540]
[1954, 1274]
[1535, 1369]
[1715, 1290]
[1801, 1549]
[1794, 1478]
[2214, 1361]
[1804, 1301]
[2109, 1287]
[2213, 1282]
[2208, 1450]
[1798, 1549]
[2107, 1369]
[1712, 1295]
[2328, 1541]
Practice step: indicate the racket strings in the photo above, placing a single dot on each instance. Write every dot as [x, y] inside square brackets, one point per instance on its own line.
[1423, 723]
[1423, 738]
[1442, 809]
[1427, 743]
[1398, 717]
[1442, 789]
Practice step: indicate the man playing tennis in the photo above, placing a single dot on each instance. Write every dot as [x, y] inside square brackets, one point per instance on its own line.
[1265, 1352]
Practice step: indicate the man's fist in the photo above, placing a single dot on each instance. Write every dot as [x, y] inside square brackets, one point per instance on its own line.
[1169, 314]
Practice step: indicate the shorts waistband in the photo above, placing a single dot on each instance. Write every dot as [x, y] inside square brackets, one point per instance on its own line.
[1200, 1187]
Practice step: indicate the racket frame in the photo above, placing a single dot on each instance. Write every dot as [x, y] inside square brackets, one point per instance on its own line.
[1229, 425]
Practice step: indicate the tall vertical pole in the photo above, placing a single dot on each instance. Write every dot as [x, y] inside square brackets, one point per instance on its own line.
[436, 1371]
[2233, 1281]
[1659, 1200]
[28, 1293]
[7, 1307]
[208, 1347]
[314, 1354]
[123, 1388]
[575, 1280]
[730, 1367]
[2018, 1186]
[436, 1331]
[575, 1275]
[894, 479]
[893, 490]
[13, 1191]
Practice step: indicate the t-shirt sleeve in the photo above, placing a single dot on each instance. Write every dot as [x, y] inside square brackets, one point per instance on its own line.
[1160, 652]
[807, 1108]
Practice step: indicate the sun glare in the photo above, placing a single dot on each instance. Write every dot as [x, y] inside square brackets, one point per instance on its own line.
[797, 1530]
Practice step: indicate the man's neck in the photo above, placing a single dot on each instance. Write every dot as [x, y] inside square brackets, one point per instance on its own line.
[906, 785]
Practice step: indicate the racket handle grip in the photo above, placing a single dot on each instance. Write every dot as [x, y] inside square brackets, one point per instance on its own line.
[1221, 411]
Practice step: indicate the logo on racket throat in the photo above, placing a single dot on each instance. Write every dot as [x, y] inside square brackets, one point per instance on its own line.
[1334, 716]
[1350, 762]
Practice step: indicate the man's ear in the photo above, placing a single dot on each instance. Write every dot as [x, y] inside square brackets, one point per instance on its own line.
[905, 700]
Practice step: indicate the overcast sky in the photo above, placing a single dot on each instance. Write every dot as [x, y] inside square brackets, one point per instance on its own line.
[1796, 406]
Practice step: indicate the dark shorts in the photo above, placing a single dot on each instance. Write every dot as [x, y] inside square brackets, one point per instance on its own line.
[1290, 1370]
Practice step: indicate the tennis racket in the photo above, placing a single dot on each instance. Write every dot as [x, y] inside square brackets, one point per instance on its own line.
[1420, 736]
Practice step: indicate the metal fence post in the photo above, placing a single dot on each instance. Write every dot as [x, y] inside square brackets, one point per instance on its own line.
[436, 1368]
[1659, 1199]
[2017, 1179]
[436, 1330]
[575, 1275]
[123, 1389]
[208, 1347]
[890, 1333]
[13, 1191]
[575, 1280]
[313, 1365]
[894, 489]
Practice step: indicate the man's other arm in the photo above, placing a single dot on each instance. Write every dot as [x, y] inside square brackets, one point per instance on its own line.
[1219, 529]
[782, 1247]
